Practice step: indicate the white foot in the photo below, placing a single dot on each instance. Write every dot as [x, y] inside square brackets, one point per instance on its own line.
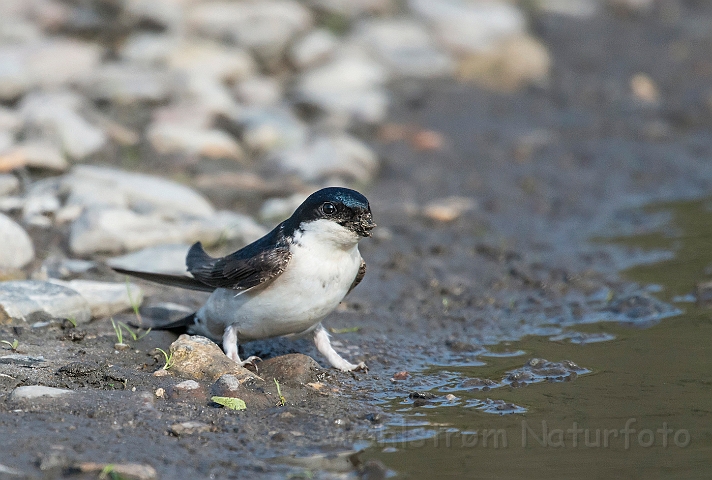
[323, 344]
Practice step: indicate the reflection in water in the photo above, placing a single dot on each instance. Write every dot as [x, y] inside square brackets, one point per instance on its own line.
[646, 408]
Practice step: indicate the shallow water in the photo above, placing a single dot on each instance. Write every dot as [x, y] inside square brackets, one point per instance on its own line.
[643, 411]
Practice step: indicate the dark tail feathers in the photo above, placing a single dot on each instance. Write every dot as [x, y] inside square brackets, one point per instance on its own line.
[197, 257]
[177, 326]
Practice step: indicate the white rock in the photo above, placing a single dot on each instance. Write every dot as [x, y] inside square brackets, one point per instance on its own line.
[177, 139]
[106, 298]
[48, 63]
[315, 47]
[7, 140]
[143, 193]
[266, 27]
[55, 115]
[39, 206]
[8, 184]
[351, 86]
[279, 209]
[117, 230]
[467, 26]
[266, 130]
[33, 392]
[259, 91]
[17, 249]
[210, 94]
[57, 267]
[161, 258]
[126, 83]
[148, 48]
[38, 154]
[340, 156]
[10, 120]
[406, 47]
[449, 208]
[11, 204]
[31, 301]
[228, 64]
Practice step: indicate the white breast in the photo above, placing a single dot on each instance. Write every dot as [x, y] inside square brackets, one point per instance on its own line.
[323, 265]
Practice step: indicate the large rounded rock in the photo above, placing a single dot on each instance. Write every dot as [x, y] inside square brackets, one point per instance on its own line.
[31, 301]
[199, 358]
[17, 250]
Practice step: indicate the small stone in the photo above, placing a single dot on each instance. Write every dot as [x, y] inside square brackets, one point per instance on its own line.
[31, 301]
[168, 259]
[187, 390]
[290, 369]
[22, 360]
[314, 48]
[126, 84]
[644, 88]
[35, 155]
[265, 27]
[61, 268]
[51, 62]
[160, 393]
[141, 192]
[199, 358]
[259, 91]
[17, 249]
[120, 347]
[56, 116]
[147, 48]
[424, 140]
[169, 139]
[279, 209]
[34, 392]
[39, 205]
[350, 86]
[514, 63]
[267, 130]
[226, 64]
[471, 26]
[106, 298]
[406, 47]
[226, 386]
[10, 120]
[401, 375]
[117, 230]
[8, 184]
[449, 208]
[161, 373]
[189, 428]
[340, 156]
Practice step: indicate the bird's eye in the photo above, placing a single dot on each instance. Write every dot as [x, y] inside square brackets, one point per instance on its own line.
[328, 208]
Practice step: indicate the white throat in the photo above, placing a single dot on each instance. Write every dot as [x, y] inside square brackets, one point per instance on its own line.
[326, 233]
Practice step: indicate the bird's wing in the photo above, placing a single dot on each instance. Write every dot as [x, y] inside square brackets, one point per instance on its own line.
[248, 267]
[181, 281]
[359, 276]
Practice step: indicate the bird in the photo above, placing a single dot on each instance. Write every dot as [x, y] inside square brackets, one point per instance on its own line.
[283, 284]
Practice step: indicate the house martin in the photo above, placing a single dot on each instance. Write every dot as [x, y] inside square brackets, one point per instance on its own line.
[286, 282]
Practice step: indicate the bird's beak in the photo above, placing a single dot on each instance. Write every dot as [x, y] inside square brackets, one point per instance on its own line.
[366, 225]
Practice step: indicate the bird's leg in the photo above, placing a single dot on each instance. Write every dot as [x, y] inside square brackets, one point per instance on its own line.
[230, 347]
[321, 340]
